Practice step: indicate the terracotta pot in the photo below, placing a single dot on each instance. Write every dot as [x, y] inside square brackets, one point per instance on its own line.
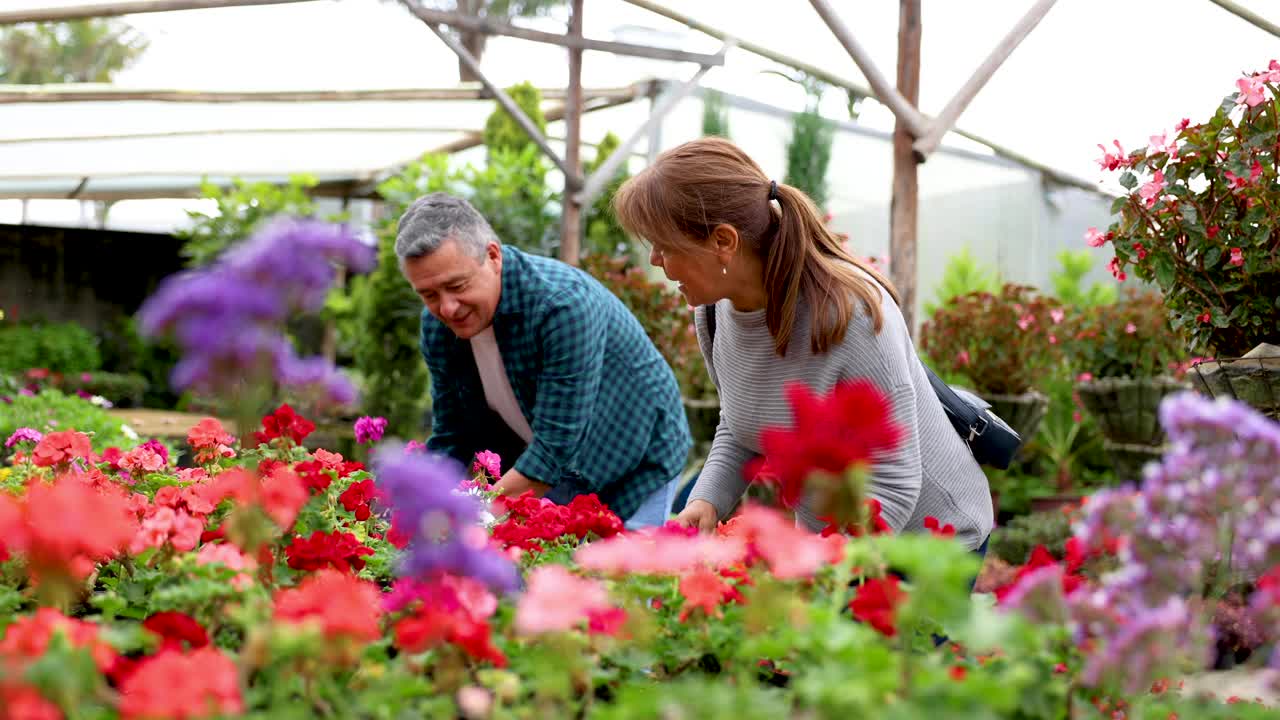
[1127, 409]
[1022, 412]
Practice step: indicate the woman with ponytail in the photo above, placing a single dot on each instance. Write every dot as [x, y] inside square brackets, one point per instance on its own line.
[792, 304]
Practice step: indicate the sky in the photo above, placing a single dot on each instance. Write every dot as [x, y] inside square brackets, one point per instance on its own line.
[1091, 72]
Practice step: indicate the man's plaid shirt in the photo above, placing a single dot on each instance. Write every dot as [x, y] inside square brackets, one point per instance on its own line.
[603, 404]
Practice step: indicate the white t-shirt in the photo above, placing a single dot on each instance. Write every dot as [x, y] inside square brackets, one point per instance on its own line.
[497, 388]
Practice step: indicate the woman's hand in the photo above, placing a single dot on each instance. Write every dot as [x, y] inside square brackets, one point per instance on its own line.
[699, 514]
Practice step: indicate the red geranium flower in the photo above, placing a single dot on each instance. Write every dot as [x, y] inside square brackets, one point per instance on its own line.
[284, 422]
[877, 602]
[851, 425]
[57, 448]
[344, 606]
[175, 628]
[356, 498]
[339, 550]
[170, 684]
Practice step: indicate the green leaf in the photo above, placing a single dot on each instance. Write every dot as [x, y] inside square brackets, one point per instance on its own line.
[1128, 180]
[1165, 273]
[1219, 318]
[1211, 257]
[1118, 204]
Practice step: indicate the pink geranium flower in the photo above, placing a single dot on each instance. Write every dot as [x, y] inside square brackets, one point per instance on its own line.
[488, 461]
[370, 429]
[557, 600]
[1095, 237]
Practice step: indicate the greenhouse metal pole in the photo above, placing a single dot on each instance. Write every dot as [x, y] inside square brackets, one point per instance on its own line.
[903, 211]
[571, 208]
[115, 9]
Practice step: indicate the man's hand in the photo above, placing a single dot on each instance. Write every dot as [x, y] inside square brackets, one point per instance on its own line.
[699, 514]
[515, 483]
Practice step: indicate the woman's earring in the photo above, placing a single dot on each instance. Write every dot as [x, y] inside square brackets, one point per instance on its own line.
[724, 269]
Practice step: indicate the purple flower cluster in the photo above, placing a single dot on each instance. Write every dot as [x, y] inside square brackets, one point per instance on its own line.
[228, 319]
[443, 526]
[370, 429]
[1206, 515]
[23, 434]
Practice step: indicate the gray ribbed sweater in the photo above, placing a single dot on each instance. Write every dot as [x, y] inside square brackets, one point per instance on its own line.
[932, 473]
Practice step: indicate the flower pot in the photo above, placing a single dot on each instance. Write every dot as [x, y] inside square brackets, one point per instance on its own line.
[1052, 503]
[1022, 412]
[703, 415]
[1129, 459]
[1253, 379]
[1127, 409]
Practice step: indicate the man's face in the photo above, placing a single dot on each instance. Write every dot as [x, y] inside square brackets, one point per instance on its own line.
[460, 290]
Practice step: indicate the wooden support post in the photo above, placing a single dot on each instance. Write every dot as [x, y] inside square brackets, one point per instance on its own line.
[115, 9]
[571, 210]
[1248, 16]
[475, 24]
[504, 100]
[665, 103]
[99, 92]
[903, 109]
[947, 118]
[903, 212]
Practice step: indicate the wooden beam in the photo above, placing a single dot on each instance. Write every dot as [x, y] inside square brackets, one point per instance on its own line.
[115, 9]
[661, 107]
[903, 110]
[504, 100]
[94, 92]
[571, 208]
[903, 217]
[490, 26]
[1051, 173]
[947, 118]
[1248, 16]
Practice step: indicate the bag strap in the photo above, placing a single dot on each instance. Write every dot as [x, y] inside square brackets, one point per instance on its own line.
[711, 322]
[969, 418]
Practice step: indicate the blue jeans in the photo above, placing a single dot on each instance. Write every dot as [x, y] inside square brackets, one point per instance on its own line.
[656, 509]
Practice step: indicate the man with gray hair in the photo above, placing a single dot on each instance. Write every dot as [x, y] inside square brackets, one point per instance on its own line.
[535, 358]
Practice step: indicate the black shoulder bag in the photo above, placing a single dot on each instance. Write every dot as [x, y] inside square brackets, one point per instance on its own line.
[990, 439]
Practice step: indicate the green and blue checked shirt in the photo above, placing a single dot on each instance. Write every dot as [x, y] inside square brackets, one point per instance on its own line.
[603, 404]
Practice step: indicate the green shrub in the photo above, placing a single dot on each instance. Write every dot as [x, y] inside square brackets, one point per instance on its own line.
[715, 114]
[122, 389]
[809, 154]
[502, 132]
[1068, 282]
[241, 210]
[1015, 541]
[962, 275]
[604, 234]
[51, 410]
[57, 347]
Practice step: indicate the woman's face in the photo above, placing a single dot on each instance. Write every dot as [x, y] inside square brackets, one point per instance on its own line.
[697, 270]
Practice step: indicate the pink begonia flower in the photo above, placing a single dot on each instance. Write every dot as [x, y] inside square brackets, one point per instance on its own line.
[1161, 144]
[1115, 267]
[1237, 257]
[1149, 192]
[1026, 321]
[962, 357]
[1251, 91]
[1113, 162]
[1053, 339]
[1084, 377]
[1255, 172]
[1057, 315]
[1130, 328]
[556, 600]
[1182, 124]
[231, 557]
[1095, 237]
[488, 461]
[370, 429]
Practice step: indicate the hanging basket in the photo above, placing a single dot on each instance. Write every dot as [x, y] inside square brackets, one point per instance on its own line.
[1127, 409]
[1129, 459]
[1253, 379]
[1021, 412]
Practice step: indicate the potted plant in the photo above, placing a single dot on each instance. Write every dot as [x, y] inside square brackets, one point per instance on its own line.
[1002, 343]
[1200, 221]
[1124, 354]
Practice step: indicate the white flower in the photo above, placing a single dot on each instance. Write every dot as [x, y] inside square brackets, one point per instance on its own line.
[128, 432]
[101, 402]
